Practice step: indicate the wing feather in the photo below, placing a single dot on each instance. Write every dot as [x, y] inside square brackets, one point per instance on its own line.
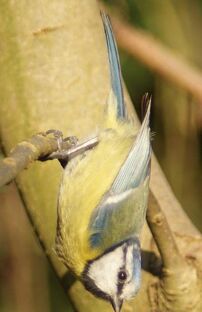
[127, 197]
[136, 167]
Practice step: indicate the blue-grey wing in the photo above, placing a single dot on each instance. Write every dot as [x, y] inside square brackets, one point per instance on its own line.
[137, 165]
[122, 209]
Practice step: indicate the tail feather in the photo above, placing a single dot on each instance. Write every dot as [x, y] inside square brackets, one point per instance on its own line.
[115, 69]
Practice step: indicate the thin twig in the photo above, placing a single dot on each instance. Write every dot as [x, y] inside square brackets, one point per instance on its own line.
[41, 147]
[23, 154]
[158, 58]
[162, 234]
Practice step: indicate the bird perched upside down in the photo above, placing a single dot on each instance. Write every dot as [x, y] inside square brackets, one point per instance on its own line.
[103, 199]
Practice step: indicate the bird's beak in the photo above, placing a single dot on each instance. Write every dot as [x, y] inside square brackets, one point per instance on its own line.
[116, 304]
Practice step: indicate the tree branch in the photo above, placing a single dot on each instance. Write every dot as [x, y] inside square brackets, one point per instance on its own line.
[178, 277]
[41, 147]
[162, 234]
[23, 154]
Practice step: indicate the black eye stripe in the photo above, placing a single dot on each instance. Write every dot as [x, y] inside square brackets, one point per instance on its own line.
[121, 282]
[120, 287]
[125, 249]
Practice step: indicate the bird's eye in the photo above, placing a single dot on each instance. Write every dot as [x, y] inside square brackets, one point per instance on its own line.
[122, 276]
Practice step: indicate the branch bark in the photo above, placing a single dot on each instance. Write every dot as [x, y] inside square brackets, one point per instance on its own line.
[178, 288]
[162, 234]
[24, 154]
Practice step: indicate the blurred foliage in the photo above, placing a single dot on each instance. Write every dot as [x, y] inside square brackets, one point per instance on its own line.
[26, 282]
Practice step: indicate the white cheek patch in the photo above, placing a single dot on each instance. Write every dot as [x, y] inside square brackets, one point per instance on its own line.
[104, 271]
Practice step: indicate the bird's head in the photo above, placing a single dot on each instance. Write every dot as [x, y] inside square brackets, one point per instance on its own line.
[115, 275]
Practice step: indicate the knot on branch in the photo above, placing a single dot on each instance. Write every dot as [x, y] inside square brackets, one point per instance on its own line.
[158, 219]
[178, 290]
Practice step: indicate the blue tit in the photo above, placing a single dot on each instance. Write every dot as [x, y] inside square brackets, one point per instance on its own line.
[103, 199]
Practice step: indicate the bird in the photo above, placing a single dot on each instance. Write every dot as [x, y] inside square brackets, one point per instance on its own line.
[103, 198]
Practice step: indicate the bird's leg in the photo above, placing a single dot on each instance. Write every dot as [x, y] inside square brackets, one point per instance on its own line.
[69, 147]
[64, 144]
